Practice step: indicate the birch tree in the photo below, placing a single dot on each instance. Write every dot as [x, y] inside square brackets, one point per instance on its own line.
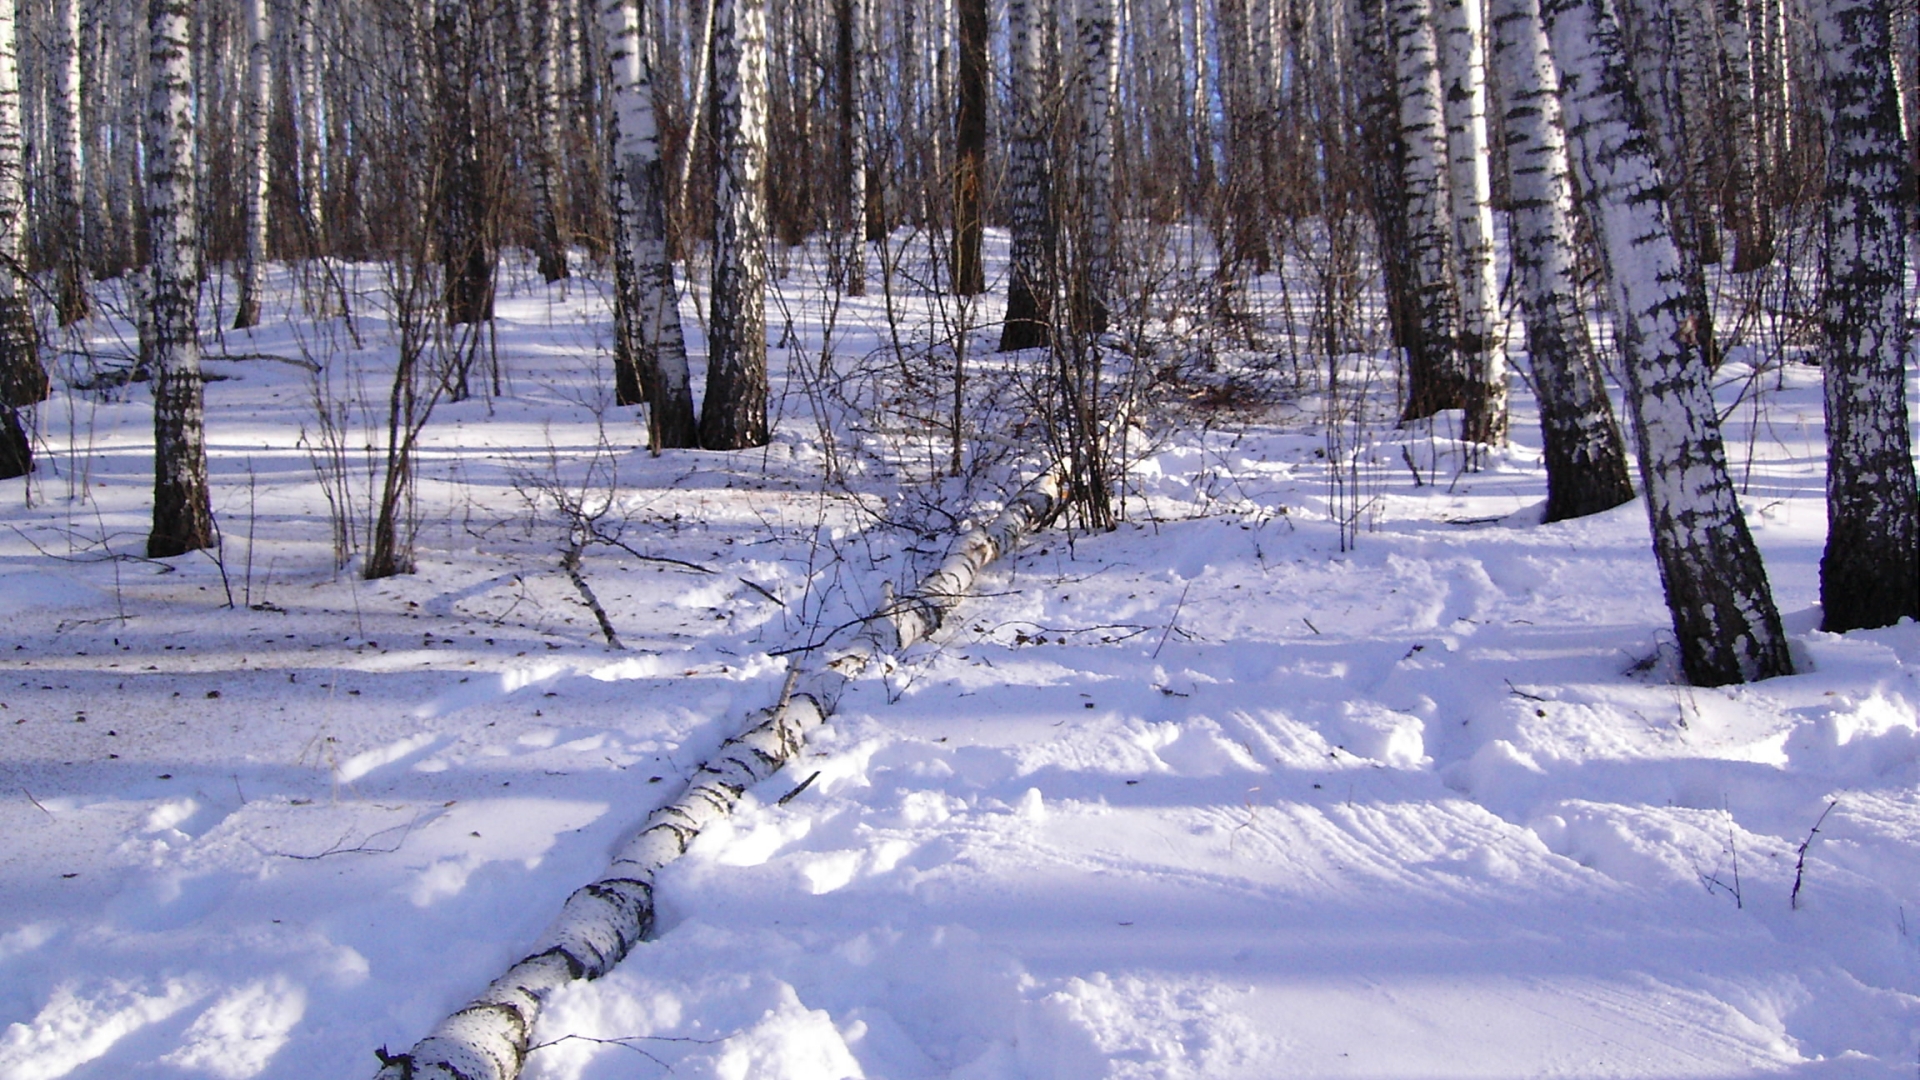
[67, 173]
[1030, 278]
[733, 415]
[182, 513]
[23, 381]
[1093, 231]
[253, 174]
[1724, 619]
[640, 214]
[550, 241]
[1482, 352]
[1435, 378]
[1868, 575]
[1585, 455]
[850, 220]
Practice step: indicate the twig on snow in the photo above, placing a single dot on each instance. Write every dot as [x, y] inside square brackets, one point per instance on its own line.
[795, 793]
[570, 562]
[35, 802]
[1517, 692]
[1800, 865]
[1177, 608]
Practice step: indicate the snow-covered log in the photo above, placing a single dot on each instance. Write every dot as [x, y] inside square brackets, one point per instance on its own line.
[601, 922]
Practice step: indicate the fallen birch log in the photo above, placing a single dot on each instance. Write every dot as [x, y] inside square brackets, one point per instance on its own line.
[601, 922]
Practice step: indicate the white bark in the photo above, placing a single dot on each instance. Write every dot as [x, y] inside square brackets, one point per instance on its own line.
[306, 71]
[23, 381]
[1030, 280]
[1723, 615]
[854, 65]
[734, 412]
[253, 176]
[1868, 573]
[1435, 379]
[1094, 243]
[1585, 455]
[63, 136]
[1482, 340]
[639, 202]
[547, 44]
[182, 517]
[602, 922]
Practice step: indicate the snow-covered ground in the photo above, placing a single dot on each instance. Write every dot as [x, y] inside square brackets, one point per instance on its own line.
[1203, 796]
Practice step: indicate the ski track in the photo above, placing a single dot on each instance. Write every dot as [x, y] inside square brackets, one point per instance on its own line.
[1201, 797]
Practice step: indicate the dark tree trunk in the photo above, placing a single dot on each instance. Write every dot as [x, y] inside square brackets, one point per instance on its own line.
[970, 150]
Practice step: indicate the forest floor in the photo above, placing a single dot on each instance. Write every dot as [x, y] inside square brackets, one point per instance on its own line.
[1232, 790]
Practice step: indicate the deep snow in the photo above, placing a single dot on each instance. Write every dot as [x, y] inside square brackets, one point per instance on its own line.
[1203, 796]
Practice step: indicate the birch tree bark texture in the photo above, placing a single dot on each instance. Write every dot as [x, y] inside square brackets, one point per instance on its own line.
[1093, 224]
[1030, 277]
[63, 130]
[655, 341]
[546, 43]
[1482, 340]
[466, 241]
[253, 179]
[1436, 379]
[182, 513]
[1868, 573]
[733, 415]
[851, 199]
[1724, 619]
[1585, 455]
[23, 381]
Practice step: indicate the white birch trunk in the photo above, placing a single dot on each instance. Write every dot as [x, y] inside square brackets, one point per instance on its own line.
[126, 190]
[64, 144]
[547, 44]
[1436, 380]
[733, 414]
[640, 213]
[602, 922]
[1030, 278]
[1094, 244]
[1482, 340]
[1870, 574]
[253, 177]
[852, 207]
[306, 71]
[23, 381]
[182, 517]
[1724, 619]
[1585, 455]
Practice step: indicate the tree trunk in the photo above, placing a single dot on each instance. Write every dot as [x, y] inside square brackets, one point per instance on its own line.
[659, 350]
[1382, 159]
[1482, 342]
[851, 205]
[1093, 232]
[970, 151]
[1586, 457]
[182, 513]
[466, 250]
[734, 413]
[1723, 615]
[1747, 210]
[63, 130]
[23, 381]
[253, 173]
[1435, 378]
[1870, 574]
[549, 217]
[1030, 278]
